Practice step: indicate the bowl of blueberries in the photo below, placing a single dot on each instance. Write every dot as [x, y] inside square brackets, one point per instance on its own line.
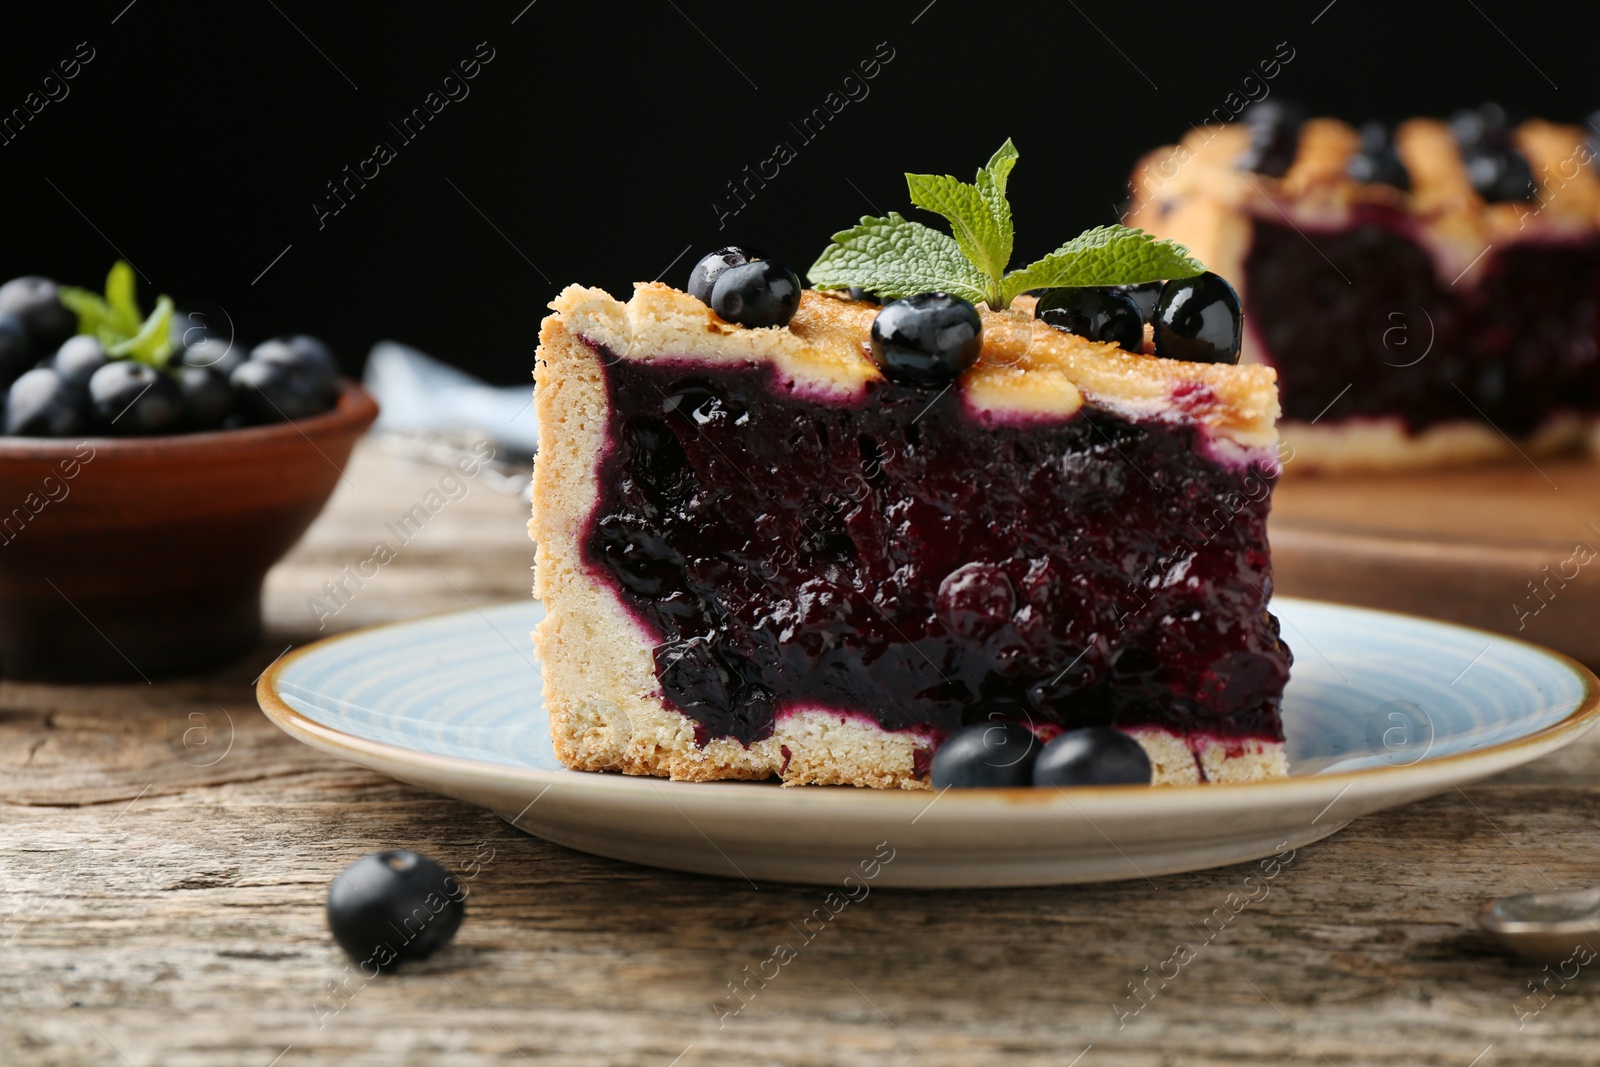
[152, 469]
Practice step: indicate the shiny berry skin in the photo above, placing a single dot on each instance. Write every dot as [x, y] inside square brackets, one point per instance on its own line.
[209, 350]
[1144, 295]
[703, 276]
[986, 755]
[1274, 137]
[1095, 312]
[1093, 755]
[389, 908]
[79, 358]
[16, 349]
[927, 339]
[1496, 169]
[41, 403]
[1198, 320]
[128, 398]
[36, 301]
[761, 293]
[286, 378]
[1378, 161]
[208, 397]
[858, 293]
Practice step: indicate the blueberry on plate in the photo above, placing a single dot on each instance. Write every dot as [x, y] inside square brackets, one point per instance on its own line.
[208, 397]
[991, 755]
[391, 907]
[78, 358]
[129, 398]
[927, 339]
[1095, 312]
[703, 275]
[37, 302]
[761, 293]
[1093, 755]
[16, 349]
[41, 403]
[1198, 320]
[287, 378]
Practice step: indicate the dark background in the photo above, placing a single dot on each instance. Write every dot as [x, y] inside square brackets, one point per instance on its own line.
[592, 146]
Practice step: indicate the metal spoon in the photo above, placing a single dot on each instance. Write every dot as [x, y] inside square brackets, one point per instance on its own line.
[1548, 927]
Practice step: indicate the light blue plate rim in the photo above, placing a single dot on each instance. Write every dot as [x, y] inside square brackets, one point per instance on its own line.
[1555, 699]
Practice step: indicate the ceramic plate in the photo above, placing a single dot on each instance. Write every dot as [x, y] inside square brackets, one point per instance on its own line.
[1381, 710]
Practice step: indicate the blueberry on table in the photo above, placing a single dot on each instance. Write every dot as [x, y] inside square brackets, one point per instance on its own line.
[762, 293]
[1093, 755]
[927, 339]
[391, 907]
[703, 276]
[129, 398]
[986, 755]
[285, 379]
[16, 349]
[208, 397]
[1198, 320]
[78, 358]
[41, 403]
[1094, 312]
[37, 302]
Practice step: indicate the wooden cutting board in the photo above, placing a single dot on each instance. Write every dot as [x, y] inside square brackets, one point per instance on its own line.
[1513, 548]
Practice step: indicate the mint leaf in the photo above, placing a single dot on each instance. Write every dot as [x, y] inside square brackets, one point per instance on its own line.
[120, 298]
[1106, 255]
[152, 343]
[895, 257]
[94, 314]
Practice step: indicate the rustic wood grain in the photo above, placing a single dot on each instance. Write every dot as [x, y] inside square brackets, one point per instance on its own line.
[1511, 547]
[157, 911]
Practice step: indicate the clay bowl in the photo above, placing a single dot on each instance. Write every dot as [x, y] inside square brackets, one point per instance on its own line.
[131, 558]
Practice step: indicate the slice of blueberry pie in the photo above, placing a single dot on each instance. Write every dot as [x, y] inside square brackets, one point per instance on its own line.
[1430, 295]
[789, 532]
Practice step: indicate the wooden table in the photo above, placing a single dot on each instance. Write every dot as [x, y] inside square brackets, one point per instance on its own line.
[165, 910]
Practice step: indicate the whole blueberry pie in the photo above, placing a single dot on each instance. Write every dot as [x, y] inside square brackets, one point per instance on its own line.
[1429, 294]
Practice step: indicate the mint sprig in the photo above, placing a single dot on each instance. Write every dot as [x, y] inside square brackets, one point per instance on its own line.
[115, 319]
[895, 257]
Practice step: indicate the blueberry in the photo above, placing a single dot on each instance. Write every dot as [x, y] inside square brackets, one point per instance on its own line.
[79, 358]
[208, 397]
[1378, 161]
[41, 403]
[16, 349]
[1096, 312]
[703, 276]
[287, 378]
[927, 339]
[133, 398]
[996, 754]
[1496, 169]
[37, 302]
[1198, 320]
[756, 294]
[858, 293]
[202, 349]
[1274, 136]
[1093, 755]
[1144, 295]
[975, 599]
[389, 908]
